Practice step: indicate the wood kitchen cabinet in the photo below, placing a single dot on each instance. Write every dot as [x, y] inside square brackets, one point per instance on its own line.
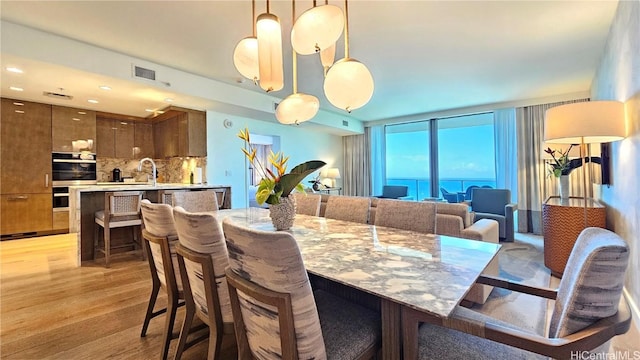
[143, 140]
[25, 167]
[180, 132]
[71, 124]
[115, 136]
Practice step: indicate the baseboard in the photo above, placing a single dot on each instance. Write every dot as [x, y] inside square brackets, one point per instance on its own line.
[634, 309]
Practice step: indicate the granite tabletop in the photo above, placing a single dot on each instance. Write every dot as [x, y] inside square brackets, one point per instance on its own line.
[431, 273]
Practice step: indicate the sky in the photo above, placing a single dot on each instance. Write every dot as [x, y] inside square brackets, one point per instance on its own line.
[464, 153]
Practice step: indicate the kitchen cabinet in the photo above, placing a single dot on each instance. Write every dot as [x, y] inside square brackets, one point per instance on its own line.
[69, 125]
[180, 132]
[143, 140]
[115, 136]
[25, 167]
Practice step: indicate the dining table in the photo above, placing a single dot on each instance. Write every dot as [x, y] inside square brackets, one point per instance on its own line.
[426, 272]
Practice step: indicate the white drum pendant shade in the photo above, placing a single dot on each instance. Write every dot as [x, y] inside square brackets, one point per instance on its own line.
[316, 29]
[245, 58]
[297, 108]
[270, 52]
[348, 84]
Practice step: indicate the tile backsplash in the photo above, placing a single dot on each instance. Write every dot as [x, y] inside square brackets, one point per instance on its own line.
[173, 170]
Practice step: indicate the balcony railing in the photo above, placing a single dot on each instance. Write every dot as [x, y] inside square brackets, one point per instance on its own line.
[420, 188]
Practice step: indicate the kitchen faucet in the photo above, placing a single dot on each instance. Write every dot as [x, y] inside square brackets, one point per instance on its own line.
[153, 167]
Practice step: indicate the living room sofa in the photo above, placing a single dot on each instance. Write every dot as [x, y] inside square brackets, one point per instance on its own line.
[454, 220]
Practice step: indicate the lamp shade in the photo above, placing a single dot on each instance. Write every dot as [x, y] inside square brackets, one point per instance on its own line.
[316, 29]
[333, 173]
[270, 52]
[327, 57]
[585, 122]
[348, 84]
[297, 108]
[245, 58]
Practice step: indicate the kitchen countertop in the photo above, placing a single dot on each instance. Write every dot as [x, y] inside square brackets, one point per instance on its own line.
[141, 186]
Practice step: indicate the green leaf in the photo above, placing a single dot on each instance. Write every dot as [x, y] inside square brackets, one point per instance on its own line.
[289, 181]
[557, 172]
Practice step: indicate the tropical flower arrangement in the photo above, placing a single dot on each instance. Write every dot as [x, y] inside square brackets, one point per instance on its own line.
[561, 165]
[274, 186]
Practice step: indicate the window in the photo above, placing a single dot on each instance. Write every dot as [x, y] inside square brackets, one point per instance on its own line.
[463, 147]
[408, 157]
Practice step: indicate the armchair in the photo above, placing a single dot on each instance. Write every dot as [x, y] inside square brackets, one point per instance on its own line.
[450, 196]
[495, 204]
[589, 310]
[394, 192]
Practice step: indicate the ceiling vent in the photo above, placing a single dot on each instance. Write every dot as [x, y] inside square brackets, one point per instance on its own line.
[345, 123]
[57, 95]
[143, 73]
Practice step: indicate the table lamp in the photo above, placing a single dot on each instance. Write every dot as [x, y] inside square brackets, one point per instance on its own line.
[585, 123]
[333, 174]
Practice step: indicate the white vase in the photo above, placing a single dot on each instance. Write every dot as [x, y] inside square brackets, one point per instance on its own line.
[283, 214]
[564, 186]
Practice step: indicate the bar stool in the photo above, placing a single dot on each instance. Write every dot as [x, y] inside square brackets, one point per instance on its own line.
[121, 209]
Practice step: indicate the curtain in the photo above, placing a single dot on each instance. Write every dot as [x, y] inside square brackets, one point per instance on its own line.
[534, 184]
[378, 160]
[506, 150]
[357, 164]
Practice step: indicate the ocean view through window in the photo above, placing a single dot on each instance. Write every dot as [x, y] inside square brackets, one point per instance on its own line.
[465, 155]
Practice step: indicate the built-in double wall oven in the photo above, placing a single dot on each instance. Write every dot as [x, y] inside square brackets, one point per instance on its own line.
[70, 169]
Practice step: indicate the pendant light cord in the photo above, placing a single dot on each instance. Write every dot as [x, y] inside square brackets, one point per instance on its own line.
[253, 16]
[295, 57]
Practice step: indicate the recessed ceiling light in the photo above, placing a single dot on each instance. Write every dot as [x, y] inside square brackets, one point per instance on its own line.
[82, 113]
[18, 104]
[123, 123]
[148, 110]
[104, 87]
[14, 70]
[93, 101]
[168, 100]
[15, 88]
[75, 119]
[19, 111]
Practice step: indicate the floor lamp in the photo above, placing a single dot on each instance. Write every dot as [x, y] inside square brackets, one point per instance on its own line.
[585, 123]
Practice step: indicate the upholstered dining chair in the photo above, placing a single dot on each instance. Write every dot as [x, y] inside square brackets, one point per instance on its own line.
[196, 201]
[121, 209]
[202, 258]
[348, 208]
[161, 238]
[417, 216]
[589, 310]
[277, 315]
[307, 204]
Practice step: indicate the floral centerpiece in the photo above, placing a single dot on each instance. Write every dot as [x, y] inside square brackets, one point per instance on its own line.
[561, 165]
[275, 188]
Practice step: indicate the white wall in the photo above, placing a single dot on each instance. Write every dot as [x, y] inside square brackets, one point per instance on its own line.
[618, 78]
[226, 164]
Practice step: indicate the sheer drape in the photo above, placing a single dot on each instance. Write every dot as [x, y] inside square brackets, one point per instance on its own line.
[506, 150]
[378, 160]
[357, 164]
[534, 184]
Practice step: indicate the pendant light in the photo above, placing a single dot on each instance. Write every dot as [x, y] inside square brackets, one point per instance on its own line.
[245, 55]
[269, 36]
[348, 84]
[297, 107]
[317, 28]
[328, 55]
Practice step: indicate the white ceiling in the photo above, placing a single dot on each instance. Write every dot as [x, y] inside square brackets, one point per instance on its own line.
[425, 56]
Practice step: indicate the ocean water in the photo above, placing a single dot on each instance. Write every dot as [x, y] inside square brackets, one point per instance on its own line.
[421, 188]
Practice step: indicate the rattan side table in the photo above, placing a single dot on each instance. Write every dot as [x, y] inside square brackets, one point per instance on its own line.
[563, 220]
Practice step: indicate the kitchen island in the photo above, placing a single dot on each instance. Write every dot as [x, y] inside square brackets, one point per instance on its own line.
[84, 201]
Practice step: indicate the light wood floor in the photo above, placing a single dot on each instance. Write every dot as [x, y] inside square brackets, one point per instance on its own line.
[52, 310]
[49, 309]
